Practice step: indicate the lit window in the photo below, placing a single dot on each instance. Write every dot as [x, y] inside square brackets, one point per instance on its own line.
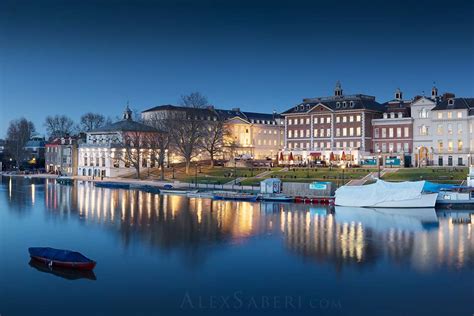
[440, 115]
[315, 120]
[351, 118]
[351, 131]
[358, 131]
[459, 114]
[440, 129]
[450, 115]
[450, 129]
[344, 119]
[407, 132]
[338, 119]
[358, 118]
[315, 132]
[328, 120]
[376, 133]
[399, 132]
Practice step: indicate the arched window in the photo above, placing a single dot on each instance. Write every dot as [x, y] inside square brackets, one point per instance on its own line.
[423, 113]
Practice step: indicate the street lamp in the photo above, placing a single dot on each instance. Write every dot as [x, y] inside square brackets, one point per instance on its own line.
[378, 162]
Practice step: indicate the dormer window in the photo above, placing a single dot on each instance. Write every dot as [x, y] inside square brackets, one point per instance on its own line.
[385, 115]
[451, 102]
[344, 104]
[400, 114]
[351, 104]
[302, 107]
[338, 105]
[392, 115]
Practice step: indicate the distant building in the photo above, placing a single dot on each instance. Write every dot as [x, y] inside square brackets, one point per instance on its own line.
[256, 135]
[335, 129]
[61, 155]
[100, 155]
[393, 133]
[35, 149]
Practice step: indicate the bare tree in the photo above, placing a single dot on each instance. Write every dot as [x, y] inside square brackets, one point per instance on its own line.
[213, 138]
[132, 145]
[187, 128]
[90, 121]
[58, 125]
[159, 142]
[18, 133]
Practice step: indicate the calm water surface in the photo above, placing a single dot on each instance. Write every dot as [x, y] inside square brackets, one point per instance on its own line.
[169, 255]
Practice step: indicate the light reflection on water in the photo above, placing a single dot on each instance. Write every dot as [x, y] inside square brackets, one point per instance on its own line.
[420, 241]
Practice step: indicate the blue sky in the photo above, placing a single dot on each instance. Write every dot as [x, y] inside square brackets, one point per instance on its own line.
[71, 57]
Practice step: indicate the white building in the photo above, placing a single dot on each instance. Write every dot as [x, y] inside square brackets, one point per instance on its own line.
[423, 129]
[99, 155]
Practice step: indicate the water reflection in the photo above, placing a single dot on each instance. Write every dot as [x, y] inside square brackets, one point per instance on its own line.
[422, 239]
[68, 274]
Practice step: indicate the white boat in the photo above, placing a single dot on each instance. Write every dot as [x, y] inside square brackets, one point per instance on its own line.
[382, 194]
[456, 197]
[232, 195]
[205, 195]
[177, 191]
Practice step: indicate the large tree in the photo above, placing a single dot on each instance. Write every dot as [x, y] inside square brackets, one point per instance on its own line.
[133, 144]
[58, 125]
[18, 133]
[213, 138]
[90, 121]
[188, 126]
[159, 142]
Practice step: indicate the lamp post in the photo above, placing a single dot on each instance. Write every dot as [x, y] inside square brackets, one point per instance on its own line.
[378, 162]
[343, 168]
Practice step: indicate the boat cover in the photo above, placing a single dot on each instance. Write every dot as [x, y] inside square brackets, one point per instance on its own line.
[436, 187]
[378, 192]
[58, 254]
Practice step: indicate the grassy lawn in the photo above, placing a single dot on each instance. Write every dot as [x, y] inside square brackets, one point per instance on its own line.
[432, 174]
[322, 174]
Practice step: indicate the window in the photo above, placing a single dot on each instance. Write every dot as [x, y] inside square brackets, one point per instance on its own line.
[290, 145]
[460, 163]
[450, 145]
[385, 115]
[338, 119]
[338, 105]
[338, 132]
[344, 131]
[392, 115]
[440, 129]
[376, 133]
[358, 118]
[328, 132]
[400, 114]
[290, 121]
[399, 147]
[351, 144]
[440, 115]
[351, 118]
[307, 121]
[315, 145]
[384, 132]
[450, 129]
[459, 114]
[440, 146]
[338, 144]
[321, 132]
[344, 144]
[301, 145]
[358, 144]
[459, 128]
[344, 119]
[328, 145]
[390, 132]
[103, 161]
[450, 102]
[264, 141]
[390, 147]
[315, 120]
[423, 113]
[406, 147]
[459, 145]
[399, 132]
[328, 120]
[97, 161]
[307, 133]
[377, 147]
[384, 147]
[315, 134]
[351, 131]
[450, 115]
[407, 132]
[85, 161]
[290, 134]
[116, 163]
[423, 130]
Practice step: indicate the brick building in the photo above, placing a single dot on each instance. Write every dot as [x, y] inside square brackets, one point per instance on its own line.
[335, 129]
[393, 133]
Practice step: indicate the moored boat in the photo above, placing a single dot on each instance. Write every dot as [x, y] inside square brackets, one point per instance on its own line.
[65, 180]
[275, 197]
[457, 197]
[382, 194]
[61, 258]
[232, 195]
[112, 185]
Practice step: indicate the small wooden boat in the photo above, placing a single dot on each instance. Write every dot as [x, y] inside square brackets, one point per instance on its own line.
[61, 258]
[65, 273]
[112, 185]
[275, 197]
[232, 195]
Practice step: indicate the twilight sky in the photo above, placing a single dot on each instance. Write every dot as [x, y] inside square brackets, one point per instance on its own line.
[71, 57]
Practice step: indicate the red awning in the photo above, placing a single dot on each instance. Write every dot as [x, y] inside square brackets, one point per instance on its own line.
[343, 156]
[281, 156]
[291, 157]
[331, 156]
[315, 154]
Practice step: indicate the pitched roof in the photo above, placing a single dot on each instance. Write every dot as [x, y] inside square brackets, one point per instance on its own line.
[455, 103]
[125, 126]
[338, 103]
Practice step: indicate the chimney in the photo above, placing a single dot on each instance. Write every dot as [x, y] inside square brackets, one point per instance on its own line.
[448, 95]
[236, 109]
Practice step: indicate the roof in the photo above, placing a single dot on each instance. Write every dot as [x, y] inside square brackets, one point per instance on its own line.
[455, 104]
[336, 103]
[221, 113]
[126, 125]
[34, 143]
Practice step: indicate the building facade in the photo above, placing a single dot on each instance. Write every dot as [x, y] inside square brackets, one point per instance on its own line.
[102, 153]
[336, 129]
[250, 134]
[393, 133]
[61, 156]
[453, 131]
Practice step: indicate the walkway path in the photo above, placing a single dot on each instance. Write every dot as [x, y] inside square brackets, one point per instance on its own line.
[372, 175]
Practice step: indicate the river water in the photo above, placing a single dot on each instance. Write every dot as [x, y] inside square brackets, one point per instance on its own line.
[169, 255]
